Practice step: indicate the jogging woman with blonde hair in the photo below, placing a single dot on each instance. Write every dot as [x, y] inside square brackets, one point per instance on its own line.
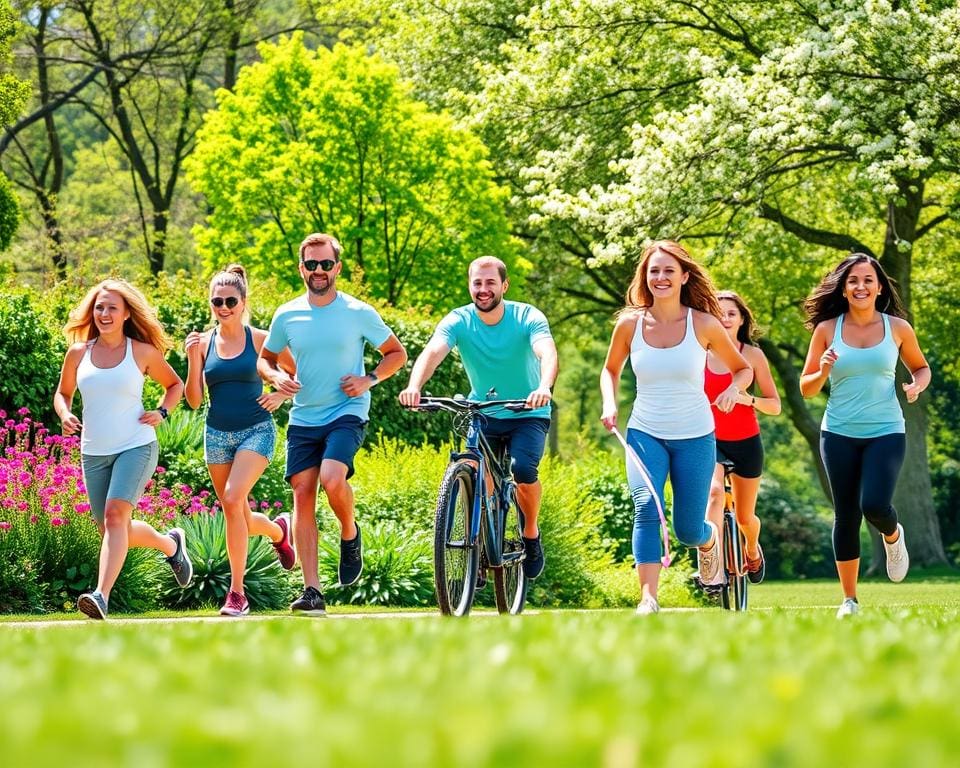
[116, 340]
[240, 435]
[666, 328]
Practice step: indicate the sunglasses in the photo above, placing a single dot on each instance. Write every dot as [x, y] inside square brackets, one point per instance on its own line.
[230, 301]
[325, 264]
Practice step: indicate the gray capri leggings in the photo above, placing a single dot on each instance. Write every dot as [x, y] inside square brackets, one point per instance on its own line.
[118, 476]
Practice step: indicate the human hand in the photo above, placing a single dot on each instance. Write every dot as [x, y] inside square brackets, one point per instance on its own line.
[354, 386]
[912, 391]
[71, 424]
[151, 418]
[540, 397]
[608, 418]
[827, 359]
[270, 401]
[192, 345]
[284, 383]
[410, 397]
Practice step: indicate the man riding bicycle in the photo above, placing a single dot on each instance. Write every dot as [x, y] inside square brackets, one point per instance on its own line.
[505, 346]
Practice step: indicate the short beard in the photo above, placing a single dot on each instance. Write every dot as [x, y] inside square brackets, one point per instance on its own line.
[323, 291]
[496, 303]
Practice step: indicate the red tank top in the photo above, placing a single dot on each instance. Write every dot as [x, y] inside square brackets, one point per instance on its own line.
[741, 422]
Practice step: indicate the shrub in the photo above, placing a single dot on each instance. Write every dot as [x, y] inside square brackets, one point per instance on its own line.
[796, 538]
[30, 356]
[397, 567]
[265, 584]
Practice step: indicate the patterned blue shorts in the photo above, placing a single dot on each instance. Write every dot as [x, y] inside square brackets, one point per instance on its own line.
[221, 447]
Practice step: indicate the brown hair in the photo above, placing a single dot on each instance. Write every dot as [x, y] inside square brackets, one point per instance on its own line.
[697, 292]
[233, 276]
[489, 261]
[142, 325]
[747, 332]
[827, 301]
[319, 238]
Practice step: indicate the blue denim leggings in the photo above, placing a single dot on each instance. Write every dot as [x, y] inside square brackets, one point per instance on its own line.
[690, 464]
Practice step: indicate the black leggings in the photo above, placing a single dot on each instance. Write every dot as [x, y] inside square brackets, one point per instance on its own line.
[863, 474]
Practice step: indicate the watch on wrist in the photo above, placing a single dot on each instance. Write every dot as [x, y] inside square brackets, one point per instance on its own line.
[373, 377]
[163, 412]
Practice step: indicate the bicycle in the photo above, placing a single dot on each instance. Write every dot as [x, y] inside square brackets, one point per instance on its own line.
[473, 530]
[733, 591]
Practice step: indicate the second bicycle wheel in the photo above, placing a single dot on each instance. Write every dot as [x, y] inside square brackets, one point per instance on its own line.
[455, 559]
[509, 582]
[734, 594]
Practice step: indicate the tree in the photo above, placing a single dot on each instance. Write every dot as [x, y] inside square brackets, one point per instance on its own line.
[13, 95]
[331, 141]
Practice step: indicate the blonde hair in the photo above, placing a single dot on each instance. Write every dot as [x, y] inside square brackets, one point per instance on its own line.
[142, 325]
[698, 292]
[319, 238]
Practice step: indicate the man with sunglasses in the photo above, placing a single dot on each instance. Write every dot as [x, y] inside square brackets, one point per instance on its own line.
[326, 331]
[506, 347]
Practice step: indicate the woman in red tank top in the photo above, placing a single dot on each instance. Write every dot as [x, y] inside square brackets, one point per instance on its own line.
[738, 432]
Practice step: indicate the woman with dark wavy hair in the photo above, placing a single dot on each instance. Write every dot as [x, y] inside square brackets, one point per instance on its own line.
[859, 334]
[669, 323]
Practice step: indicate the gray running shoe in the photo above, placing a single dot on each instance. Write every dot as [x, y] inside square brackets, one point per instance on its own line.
[849, 607]
[898, 559]
[310, 603]
[93, 605]
[648, 606]
[179, 561]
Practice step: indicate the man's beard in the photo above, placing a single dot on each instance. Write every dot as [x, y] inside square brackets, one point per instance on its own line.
[494, 303]
[321, 290]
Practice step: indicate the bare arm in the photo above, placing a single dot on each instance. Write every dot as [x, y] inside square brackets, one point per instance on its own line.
[768, 401]
[394, 358]
[819, 362]
[913, 359]
[720, 344]
[195, 346]
[546, 351]
[427, 361]
[66, 387]
[271, 371]
[157, 368]
[270, 401]
[617, 355]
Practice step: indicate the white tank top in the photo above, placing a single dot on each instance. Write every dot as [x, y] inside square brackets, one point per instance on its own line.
[671, 403]
[112, 406]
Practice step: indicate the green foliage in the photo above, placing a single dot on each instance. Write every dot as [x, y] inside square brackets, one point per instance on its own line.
[30, 357]
[264, 582]
[397, 567]
[332, 141]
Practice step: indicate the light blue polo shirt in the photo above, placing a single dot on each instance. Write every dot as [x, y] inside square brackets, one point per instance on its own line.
[327, 344]
[499, 356]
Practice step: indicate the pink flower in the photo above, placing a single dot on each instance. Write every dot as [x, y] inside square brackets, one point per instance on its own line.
[23, 411]
[264, 505]
[56, 522]
[160, 470]
[33, 518]
[81, 508]
[4, 525]
[278, 505]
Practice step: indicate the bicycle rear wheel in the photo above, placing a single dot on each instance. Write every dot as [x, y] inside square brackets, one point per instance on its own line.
[455, 559]
[734, 594]
[509, 581]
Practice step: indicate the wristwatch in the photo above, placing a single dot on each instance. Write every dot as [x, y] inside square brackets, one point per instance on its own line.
[163, 412]
[373, 377]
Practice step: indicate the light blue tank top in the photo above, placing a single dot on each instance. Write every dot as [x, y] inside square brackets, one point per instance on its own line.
[863, 397]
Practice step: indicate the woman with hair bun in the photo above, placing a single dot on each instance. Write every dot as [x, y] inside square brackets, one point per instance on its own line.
[859, 334]
[116, 341]
[240, 435]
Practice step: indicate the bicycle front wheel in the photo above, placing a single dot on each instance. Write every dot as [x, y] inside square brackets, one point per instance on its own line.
[455, 558]
[734, 595]
[509, 581]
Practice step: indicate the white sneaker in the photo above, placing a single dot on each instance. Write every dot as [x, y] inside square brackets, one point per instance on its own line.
[898, 560]
[647, 606]
[709, 561]
[849, 607]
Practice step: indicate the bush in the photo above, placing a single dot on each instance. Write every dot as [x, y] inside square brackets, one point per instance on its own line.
[397, 567]
[31, 353]
[265, 583]
[796, 538]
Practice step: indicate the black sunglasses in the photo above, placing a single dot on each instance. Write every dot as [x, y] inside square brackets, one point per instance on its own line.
[325, 264]
[230, 301]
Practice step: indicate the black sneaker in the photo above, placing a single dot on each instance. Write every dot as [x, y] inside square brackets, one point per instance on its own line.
[310, 603]
[534, 561]
[351, 560]
[179, 561]
[756, 569]
[93, 605]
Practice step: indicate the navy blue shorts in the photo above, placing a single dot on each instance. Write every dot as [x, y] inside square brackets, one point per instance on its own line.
[746, 455]
[339, 440]
[525, 438]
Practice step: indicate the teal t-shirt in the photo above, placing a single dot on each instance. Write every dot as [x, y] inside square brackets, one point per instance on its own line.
[327, 344]
[500, 356]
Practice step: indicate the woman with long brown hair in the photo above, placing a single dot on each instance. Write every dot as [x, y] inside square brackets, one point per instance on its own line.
[738, 431]
[859, 334]
[669, 323]
[116, 341]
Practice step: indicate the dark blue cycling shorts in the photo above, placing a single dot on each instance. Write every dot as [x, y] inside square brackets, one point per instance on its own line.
[525, 438]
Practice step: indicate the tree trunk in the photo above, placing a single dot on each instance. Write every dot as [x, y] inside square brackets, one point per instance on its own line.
[158, 248]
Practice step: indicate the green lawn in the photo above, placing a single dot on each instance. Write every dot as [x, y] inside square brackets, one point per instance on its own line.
[786, 686]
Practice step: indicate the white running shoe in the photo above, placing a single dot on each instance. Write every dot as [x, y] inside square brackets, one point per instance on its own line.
[849, 607]
[708, 561]
[898, 560]
[648, 606]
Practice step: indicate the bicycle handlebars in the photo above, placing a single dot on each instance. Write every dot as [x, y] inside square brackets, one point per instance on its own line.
[463, 405]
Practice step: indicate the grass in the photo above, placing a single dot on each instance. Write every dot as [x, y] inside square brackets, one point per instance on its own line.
[790, 686]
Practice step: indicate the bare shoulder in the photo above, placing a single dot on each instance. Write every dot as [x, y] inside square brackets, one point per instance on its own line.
[144, 352]
[752, 354]
[826, 329]
[899, 326]
[259, 336]
[627, 322]
[704, 321]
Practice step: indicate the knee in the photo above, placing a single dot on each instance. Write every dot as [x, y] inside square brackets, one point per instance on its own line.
[333, 480]
[234, 503]
[716, 494]
[878, 512]
[692, 533]
[525, 472]
[115, 515]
